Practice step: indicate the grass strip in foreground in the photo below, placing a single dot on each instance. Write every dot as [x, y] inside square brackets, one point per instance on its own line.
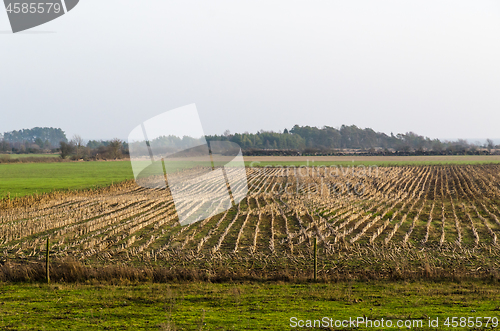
[234, 306]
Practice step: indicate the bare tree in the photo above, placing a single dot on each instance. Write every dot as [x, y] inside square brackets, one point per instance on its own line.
[78, 143]
[115, 148]
[489, 144]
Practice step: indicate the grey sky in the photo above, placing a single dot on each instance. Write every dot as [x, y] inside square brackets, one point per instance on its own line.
[426, 66]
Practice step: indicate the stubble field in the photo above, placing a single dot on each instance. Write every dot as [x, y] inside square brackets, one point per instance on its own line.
[390, 222]
[406, 244]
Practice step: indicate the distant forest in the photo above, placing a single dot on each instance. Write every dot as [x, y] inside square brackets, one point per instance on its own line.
[347, 139]
[299, 140]
[43, 138]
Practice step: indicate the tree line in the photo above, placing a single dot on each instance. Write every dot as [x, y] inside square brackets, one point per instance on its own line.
[296, 141]
[53, 140]
[346, 139]
[76, 149]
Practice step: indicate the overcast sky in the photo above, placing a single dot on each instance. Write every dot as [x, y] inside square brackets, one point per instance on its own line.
[432, 67]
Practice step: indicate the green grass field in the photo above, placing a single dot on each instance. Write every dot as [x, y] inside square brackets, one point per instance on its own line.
[28, 178]
[22, 179]
[18, 156]
[248, 306]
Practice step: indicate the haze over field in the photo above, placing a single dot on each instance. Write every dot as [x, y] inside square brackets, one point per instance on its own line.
[430, 66]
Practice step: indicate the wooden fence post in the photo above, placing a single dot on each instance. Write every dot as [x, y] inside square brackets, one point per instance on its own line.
[315, 260]
[47, 262]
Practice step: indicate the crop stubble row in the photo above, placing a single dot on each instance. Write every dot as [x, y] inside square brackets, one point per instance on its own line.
[283, 212]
